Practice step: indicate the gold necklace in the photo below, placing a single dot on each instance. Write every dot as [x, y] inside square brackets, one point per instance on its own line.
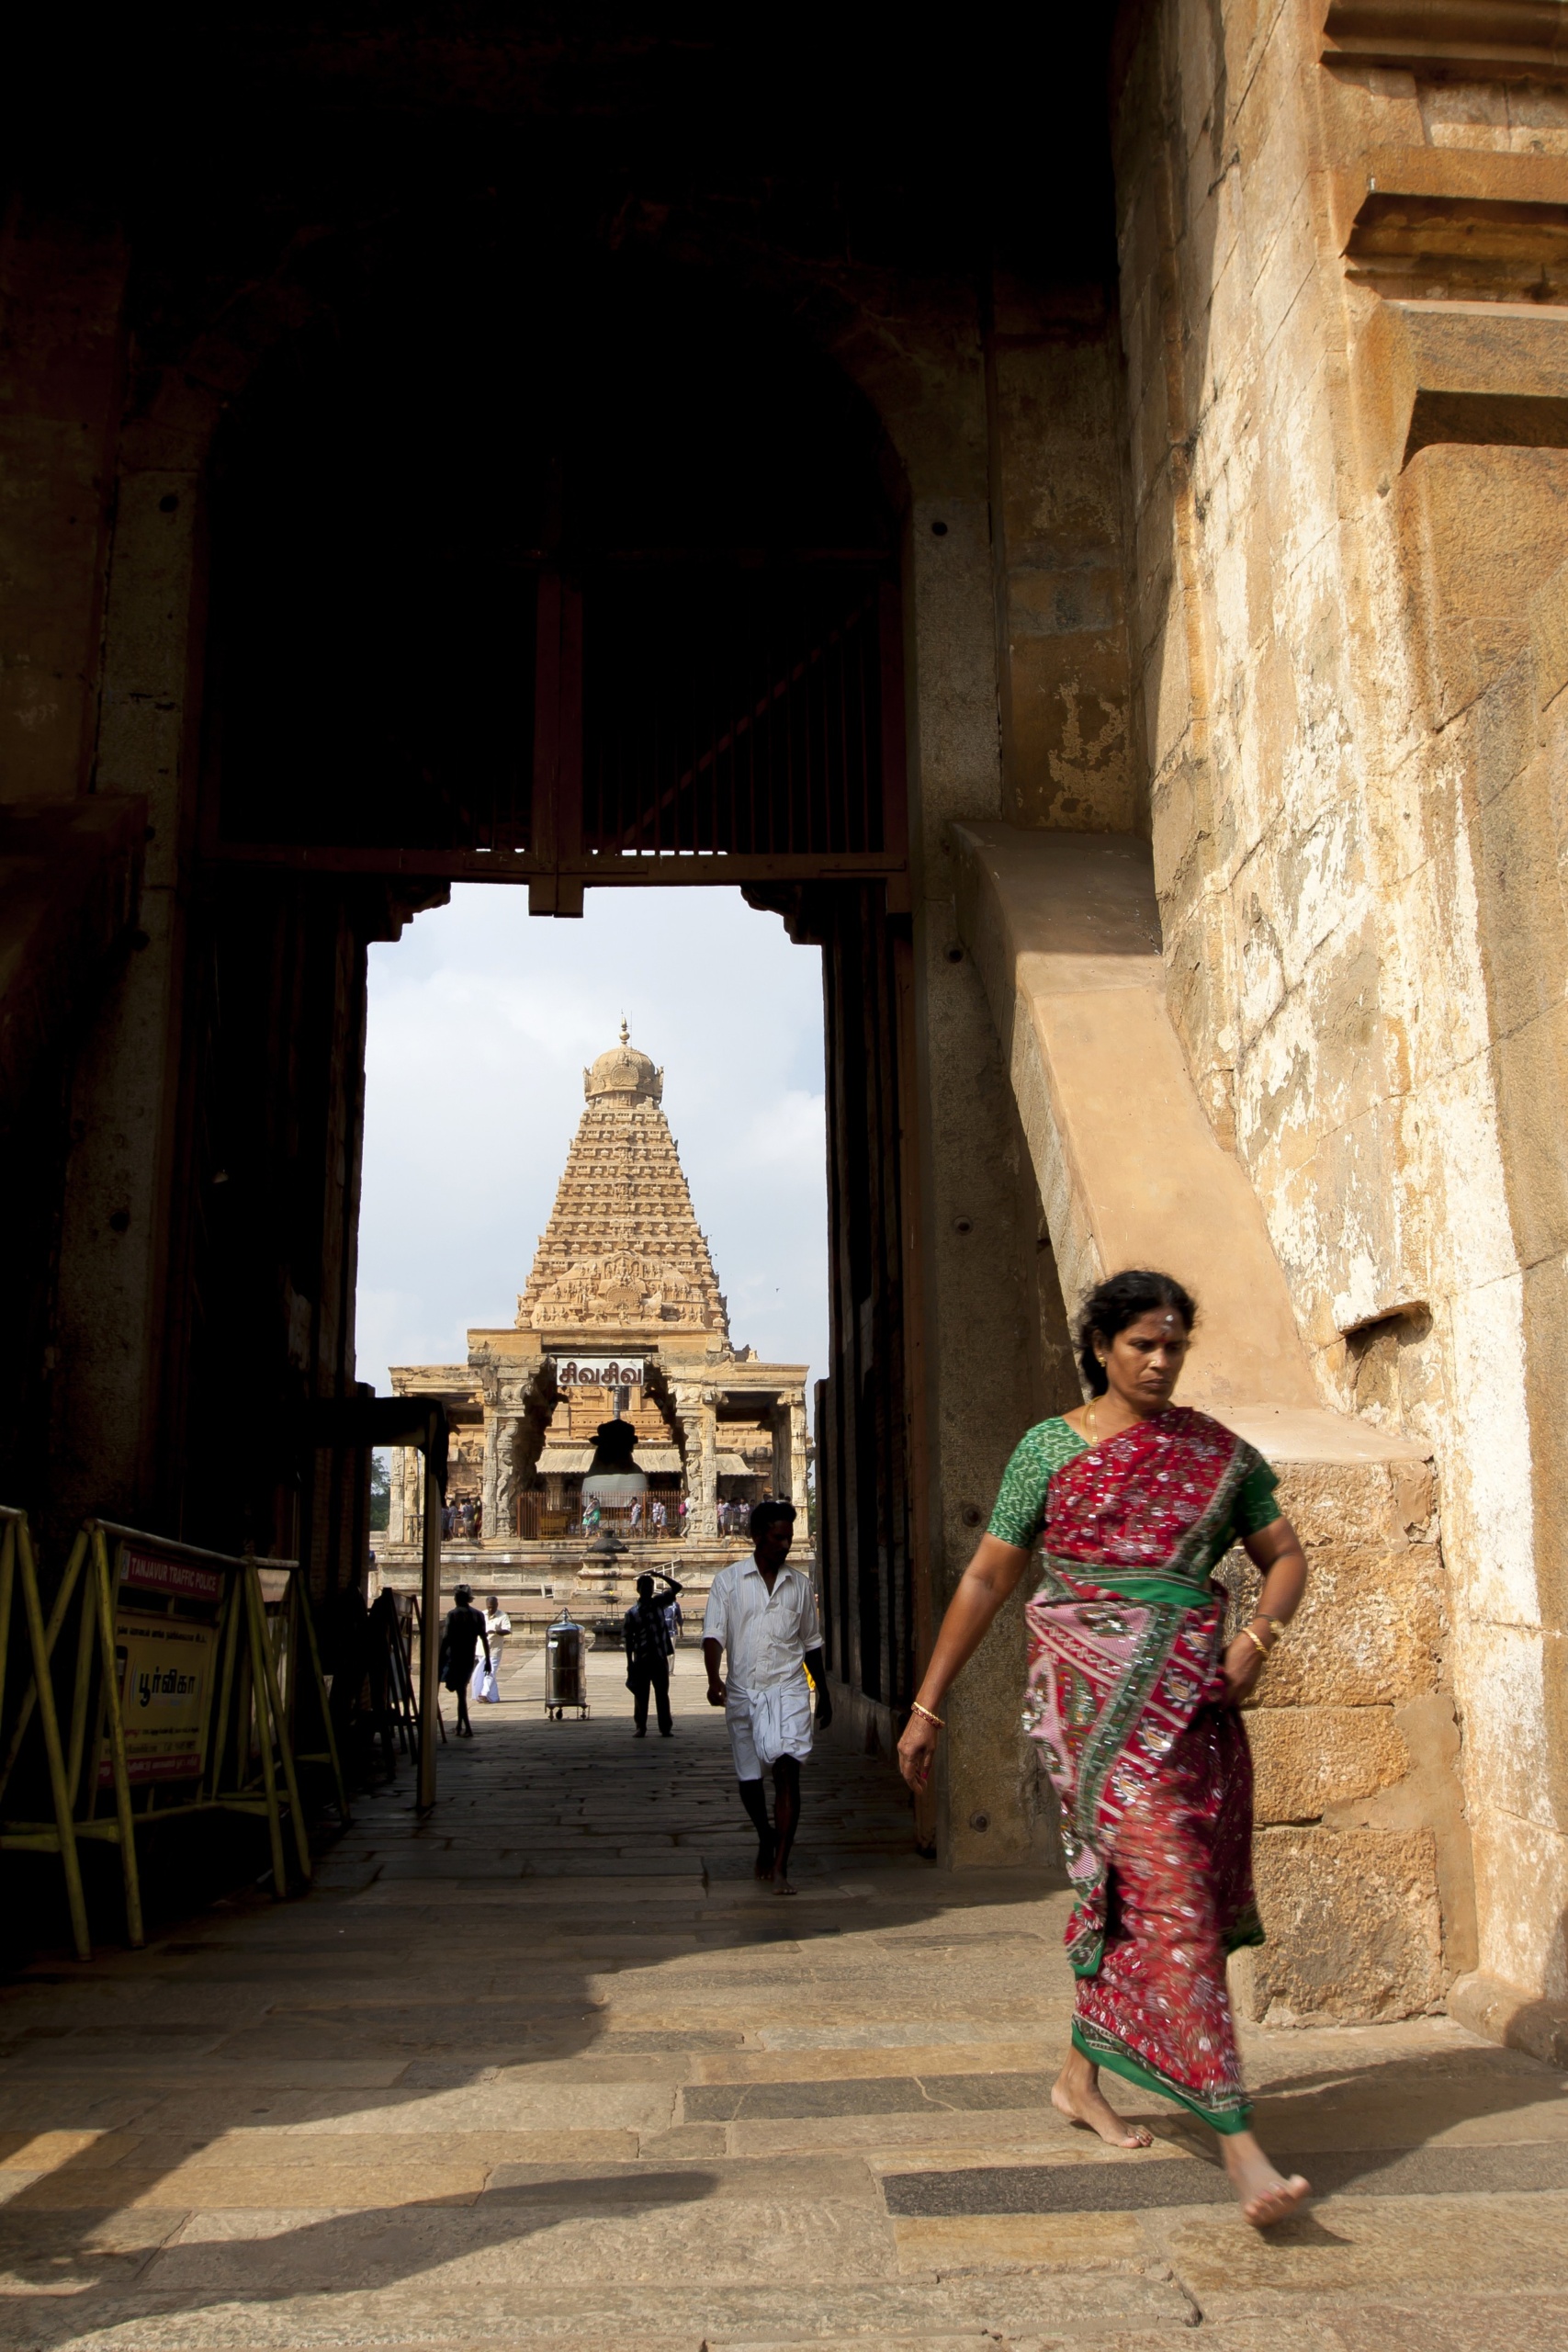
[1093, 1424]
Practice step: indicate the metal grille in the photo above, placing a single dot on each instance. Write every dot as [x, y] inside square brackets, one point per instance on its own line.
[732, 712]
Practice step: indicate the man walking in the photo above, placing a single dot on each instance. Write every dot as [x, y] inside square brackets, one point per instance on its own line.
[462, 1637]
[648, 1654]
[763, 1614]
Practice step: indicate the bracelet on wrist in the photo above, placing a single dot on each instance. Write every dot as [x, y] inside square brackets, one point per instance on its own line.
[916, 1709]
[1262, 1649]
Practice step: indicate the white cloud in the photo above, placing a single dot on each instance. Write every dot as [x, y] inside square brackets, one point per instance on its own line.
[481, 1021]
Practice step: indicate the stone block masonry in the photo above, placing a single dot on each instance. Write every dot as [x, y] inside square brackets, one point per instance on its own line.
[1362, 1853]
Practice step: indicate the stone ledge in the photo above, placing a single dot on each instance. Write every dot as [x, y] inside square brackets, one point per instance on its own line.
[1507, 2014]
[1310, 1436]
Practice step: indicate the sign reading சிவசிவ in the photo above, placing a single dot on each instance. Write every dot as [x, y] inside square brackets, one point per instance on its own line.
[599, 1372]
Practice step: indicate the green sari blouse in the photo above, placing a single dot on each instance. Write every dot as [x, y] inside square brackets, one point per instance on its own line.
[1020, 1514]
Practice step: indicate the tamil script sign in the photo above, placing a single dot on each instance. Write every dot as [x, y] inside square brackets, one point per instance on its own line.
[165, 1639]
[165, 1690]
[599, 1372]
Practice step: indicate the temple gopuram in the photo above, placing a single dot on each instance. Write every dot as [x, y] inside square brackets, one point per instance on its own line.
[621, 1318]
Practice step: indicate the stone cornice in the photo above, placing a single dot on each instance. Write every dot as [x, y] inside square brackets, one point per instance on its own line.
[1478, 38]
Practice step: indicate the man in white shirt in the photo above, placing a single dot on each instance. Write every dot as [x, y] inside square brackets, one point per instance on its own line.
[764, 1613]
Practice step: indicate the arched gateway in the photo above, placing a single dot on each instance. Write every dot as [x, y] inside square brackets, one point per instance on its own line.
[1074, 519]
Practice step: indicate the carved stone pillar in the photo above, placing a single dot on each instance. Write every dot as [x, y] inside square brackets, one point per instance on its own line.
[508, 1431]
[797, 1493]
[490, 1506]
[699, 1442]
[395, 1497]
[410, 1479]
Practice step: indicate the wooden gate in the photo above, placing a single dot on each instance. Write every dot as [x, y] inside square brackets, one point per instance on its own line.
[691, 718]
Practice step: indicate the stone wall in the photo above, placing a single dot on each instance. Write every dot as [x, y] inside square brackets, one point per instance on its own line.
[1362, 1857]
[1345, 494]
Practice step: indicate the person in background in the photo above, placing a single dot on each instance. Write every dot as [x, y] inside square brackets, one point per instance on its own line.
[461, 1637]
[647, 1655]
[763, 1614]
[498, 1625]
[345, 1656]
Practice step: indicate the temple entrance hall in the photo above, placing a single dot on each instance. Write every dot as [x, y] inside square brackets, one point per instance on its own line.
[1065, 521]
[549, 2068]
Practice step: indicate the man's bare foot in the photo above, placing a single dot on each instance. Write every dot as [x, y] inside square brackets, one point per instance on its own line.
[1076, 2093]
[1264, 2194]
[764, 1867]
[780, 1884]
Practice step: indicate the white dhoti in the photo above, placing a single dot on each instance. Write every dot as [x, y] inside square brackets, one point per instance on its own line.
[765, 1724]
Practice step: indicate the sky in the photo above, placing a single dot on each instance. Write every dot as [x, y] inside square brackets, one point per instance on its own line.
[482, 1019]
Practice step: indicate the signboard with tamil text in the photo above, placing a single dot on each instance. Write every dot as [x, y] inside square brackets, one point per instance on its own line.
[165, 1641]
[599, 1372]
[165, 1690]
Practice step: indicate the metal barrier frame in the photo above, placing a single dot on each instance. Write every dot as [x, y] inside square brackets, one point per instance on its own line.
[248, 1685]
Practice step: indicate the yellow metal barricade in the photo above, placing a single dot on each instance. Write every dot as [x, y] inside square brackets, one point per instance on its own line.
[185, 1681]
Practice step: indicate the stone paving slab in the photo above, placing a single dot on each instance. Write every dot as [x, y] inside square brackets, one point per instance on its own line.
[553, 2070]
[841, 2062]
[1088, 2308]
[1347, 2248]
[1185, 2180]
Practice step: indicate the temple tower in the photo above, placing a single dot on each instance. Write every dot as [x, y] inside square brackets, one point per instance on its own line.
[623, 1248]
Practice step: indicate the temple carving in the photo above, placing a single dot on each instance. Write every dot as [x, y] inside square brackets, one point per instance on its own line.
[623, 1250]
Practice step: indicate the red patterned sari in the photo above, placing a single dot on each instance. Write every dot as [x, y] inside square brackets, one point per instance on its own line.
[1127, 1699]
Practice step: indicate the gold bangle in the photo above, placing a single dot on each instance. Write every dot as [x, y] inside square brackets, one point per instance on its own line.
[916, 1709]
[1261, 1647]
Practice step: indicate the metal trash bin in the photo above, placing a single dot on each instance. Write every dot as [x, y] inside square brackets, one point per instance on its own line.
[566, 1667]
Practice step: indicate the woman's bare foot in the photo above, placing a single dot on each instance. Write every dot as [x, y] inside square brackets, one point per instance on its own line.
[1076, 2093]
[1264, 2194]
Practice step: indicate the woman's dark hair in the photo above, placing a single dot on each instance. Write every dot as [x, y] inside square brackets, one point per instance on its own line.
[1116, 1304]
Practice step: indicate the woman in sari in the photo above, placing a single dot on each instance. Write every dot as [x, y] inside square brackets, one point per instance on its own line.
[1135, 1501]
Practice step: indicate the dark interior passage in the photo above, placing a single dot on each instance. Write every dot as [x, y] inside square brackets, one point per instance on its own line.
[398, 476]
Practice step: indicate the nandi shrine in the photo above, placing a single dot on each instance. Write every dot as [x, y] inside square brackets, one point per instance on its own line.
[622, 1319]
